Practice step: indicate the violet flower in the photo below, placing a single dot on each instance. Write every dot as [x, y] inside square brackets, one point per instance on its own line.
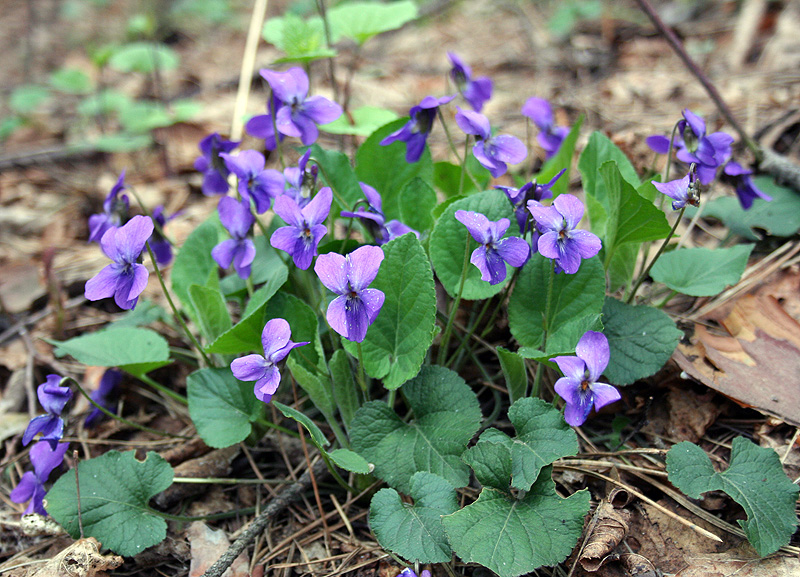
[125, 278]
[579, 386]
[356, 308]
[300, 113]
[682, 191]
[742, 180]
[237, 219]
[373, 219]
[519, 198]
[53, 397]
[254, 182]
[115, 210]
[301, 238]
[491, 257]
[550, 136]
[160, 245]
[277, 343]
[476, 91]
[215, 173]
[263, 125]
[559, 239]
[408, 572]
[44, 458]
[493, 152]
[301, 180]
[102, 396]
[420, 123]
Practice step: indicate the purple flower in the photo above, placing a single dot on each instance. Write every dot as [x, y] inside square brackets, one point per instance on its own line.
[301, 238]
[300, 113]
[115, 209]
[301, 181]
[277, 343]
[356, 308]
[519, 198]
[741, 178]
[254, 182]
[559, 239]
[475, 91]
[493, 152]
[101, 396]
[215, 173]
[125, 278]
[708, 151]
[373, 219]
[53, 397]
[44, 458]
[550, 136]
[408, 572]
[239, 250]
[415, 132]
[263, 125]
[160, 245]
[493, 254]
[579, 386]
[682, 191]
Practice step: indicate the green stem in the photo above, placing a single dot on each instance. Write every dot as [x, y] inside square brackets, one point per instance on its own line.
[332, 469]
[361, 378]
[455, 152]
[271, 425]
[175, 312]
[111, 415]
[391, 399]
[463, 167]
[454, 308]
[162, 389]
[499, 306]
[340, 435]
[537, 380]
[663, 303]
[646, 271]
[337, 195]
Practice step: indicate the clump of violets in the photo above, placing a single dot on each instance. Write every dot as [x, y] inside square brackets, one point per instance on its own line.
[44, 458]
[373, 219]
[299, 114]
[102, 396]
[301, 238]
[560, 240]
[255, 183]
[741, 179]
[263, 125]
[352, 312]
[160, 246]
[682, 191]
[408, 572]
[550, 136]
[476, 91]
[301, 180]
[53, 398]
[494, 251]
[415, 132]
[579, 386]
[277, 343]
[239, 250]
[125, 278]
[493, 152]
[519, 197]
[215, 172]
[115, 210]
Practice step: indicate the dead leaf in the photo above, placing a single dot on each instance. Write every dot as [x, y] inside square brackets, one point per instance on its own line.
[740, 564]
[81, 559]
[208, 545]
[611, 528]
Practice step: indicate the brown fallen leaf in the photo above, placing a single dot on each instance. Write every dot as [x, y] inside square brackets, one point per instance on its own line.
[81, 559]
[208, 545]
[610, 530]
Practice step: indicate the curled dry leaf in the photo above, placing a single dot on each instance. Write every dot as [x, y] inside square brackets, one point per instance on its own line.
[611, 528]
[81, 559]
[208, 545]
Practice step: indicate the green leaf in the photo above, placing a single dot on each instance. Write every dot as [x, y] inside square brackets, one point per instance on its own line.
[115, 491]
[345, 394]
[701, 272]
[778, 217]
[385, 167]
[447, 177]
[212, 314]
[142, 116]
[446, 416]
[416, 202]
[629, 217]
[304, 324]
[301, 40]
[26, 99]
[146, 312]
[396, 343]
[122, 142]
[9, 125]
[561, 159]
[350, 461]
[755, 479]
[317, 436]
[365, 121]
[106, 102]
[134, 350]
[222, 407]
[514, 536]
[574, 296]
[641, 340]
[514, 371]
[193, 263]
[623, 266]
[360, 21]
[415, 532]
[71, 81]
[339, 175]
[144, 57]
[450, 239]
[490, 459]
[267, 268]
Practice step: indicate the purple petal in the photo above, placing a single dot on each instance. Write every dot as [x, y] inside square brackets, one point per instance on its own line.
[287, 86]
[571, 367]
[363, 265]
[214, 183]
[721, 142]
[488, 261]
[285, 123]
[131, 287]
[548, 245]
[415, 146]
[286, 238]
[308, 130]
[45, 457]
[706, 174]
[604, 395]
[569, 259]
[576, 414]
[373, 196]
[331, 268]
[539, 111]
[677, 190]
[235, 216]
[260, 127]
[570, 208]
[472, 122]
[696, 123]
[507, 148]
[337, 312]
[658, 143]
[317, 210]
[397, 229]
[593, 349]
[243, 257]
[495, 167]
[50, 426]
[274, 337]
[477, 224]
[286, 208]
[26, 488]
[321, 110]
[267, 385]
[103, 284]
[478, 92]
[250, 367]
[547, 217]
[584, 242]
[514, 250]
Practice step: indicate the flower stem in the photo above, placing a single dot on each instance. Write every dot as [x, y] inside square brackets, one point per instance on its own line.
[463, 167]
[454, 308]
[537, 379]
[162, 389]
[646, 271]
[455, 152]
[175, 312]
[362, 380]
